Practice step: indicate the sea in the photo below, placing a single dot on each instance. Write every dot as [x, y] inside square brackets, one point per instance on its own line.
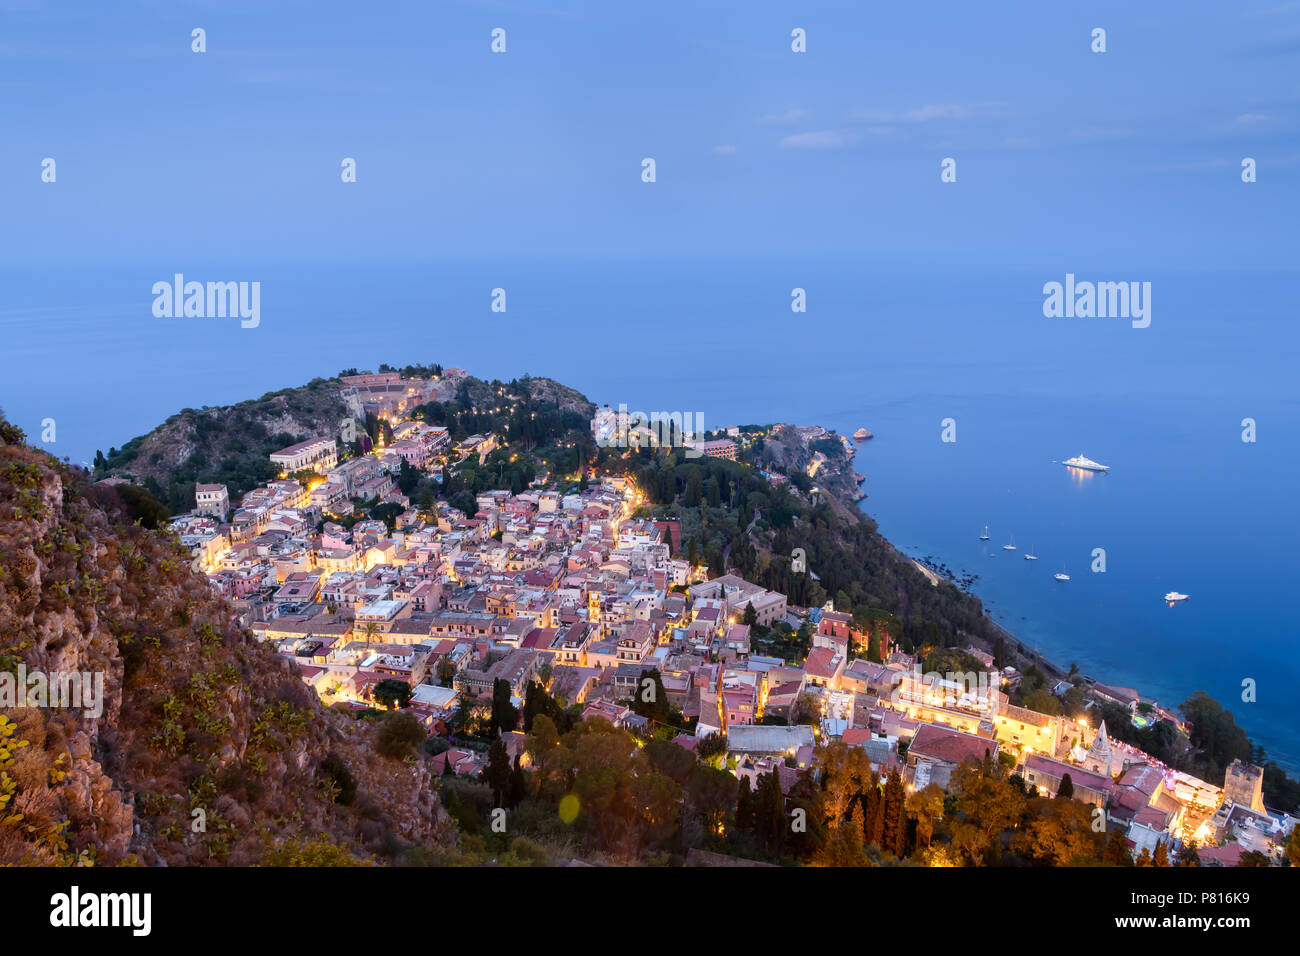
[1197, 414]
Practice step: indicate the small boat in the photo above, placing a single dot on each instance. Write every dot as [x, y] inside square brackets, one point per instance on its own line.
[1011, 546]
[1173, 597]
[1086, 464]
[1029, 555]
[985, 535]
[862, 434]
[1061, 575]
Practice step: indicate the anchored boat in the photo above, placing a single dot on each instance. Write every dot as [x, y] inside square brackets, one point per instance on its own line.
[1086, 464]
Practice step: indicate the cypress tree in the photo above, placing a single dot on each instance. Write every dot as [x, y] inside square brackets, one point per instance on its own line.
[745, 818]
[497, 772]
[1066, 790]
[518, 787]
[894, 837]
[771, 812]
[874, 813]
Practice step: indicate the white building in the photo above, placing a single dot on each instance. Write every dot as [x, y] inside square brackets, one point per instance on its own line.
[212, 500]
[318, 454]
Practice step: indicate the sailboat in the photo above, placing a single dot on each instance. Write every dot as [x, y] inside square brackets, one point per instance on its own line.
[1029, 555]
[1061, 575]
[1010, 546]
[985, 535]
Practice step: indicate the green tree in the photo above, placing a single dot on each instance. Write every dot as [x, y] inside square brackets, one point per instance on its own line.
[392, 693]
[505, 716]
[650, 699]
[926, 808]
[1117, 852]
[1066, 790]
[518, 787]
[1188, 855]
[1293, 847]
[746, 809]
[400, 732]
[1161, 856]
[769, 813]
[693, 489]
[140, 505]
[1059, 833]
[894, 836]
[497, 772]
[344, 783]
[714, 745]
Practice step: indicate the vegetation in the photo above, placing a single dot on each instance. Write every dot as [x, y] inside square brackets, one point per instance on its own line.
[209, 748]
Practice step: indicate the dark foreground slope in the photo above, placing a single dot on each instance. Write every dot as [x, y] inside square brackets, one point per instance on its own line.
[209, 749]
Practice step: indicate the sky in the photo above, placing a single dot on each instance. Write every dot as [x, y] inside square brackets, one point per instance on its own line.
[1065, 158]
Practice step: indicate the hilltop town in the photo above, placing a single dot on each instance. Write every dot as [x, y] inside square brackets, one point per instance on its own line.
[586, 595]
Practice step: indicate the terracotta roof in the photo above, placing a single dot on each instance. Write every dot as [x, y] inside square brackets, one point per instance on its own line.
[952, 746]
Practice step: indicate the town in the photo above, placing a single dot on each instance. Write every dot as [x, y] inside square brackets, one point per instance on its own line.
[570, 591]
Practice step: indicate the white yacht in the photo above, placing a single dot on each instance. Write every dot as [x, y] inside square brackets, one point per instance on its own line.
[1029, 555]
[1061, 575]
[1087, 464]
[985, 535]
[1173, 597]
[1011, 546]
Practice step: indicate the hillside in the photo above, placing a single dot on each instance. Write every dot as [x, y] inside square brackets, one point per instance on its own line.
[196, 716]
[230, 444]
[227, 444]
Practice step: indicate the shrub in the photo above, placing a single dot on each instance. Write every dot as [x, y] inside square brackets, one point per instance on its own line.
[337, 771]
[398, 734]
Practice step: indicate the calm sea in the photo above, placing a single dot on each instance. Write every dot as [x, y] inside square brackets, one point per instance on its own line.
[899, 348]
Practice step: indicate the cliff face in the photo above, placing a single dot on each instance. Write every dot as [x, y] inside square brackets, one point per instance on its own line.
[206, 747]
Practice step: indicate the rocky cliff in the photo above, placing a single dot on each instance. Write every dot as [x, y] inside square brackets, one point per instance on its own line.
[206, 746]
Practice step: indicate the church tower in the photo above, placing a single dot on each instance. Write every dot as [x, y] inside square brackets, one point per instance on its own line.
[1099, 758]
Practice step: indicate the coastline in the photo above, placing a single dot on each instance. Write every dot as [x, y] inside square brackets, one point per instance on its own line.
[848, 491]
[1023, 654]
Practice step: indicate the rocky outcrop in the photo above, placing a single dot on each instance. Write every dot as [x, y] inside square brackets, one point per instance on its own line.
[204, 747]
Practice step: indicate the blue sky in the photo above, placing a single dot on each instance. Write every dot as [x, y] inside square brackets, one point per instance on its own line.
[1065, 157]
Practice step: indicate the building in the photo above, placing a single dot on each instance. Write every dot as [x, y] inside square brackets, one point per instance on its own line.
[1100, 760]
[212, 500]
[737, 593]
[1143, 805]
[763, 740]
[481, 445]
[1125, 697]
[317, 454]
[605, 427]
[1028, 730]
[1047, 775]
[1243, 784]
[935, 752]
[718, 448]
